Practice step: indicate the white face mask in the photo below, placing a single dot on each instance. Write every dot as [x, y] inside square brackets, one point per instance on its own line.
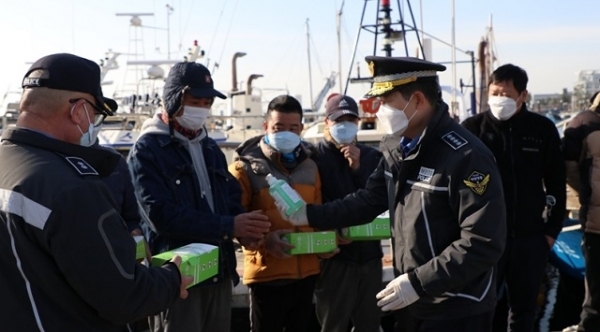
[502, 108]
[343, 132]
[89, 137]
[193, 118]
[283, 141]
[96, 130]
[393, 120]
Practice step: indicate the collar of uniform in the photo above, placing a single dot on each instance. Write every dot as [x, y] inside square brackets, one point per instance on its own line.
[408, 145]
[102, 160]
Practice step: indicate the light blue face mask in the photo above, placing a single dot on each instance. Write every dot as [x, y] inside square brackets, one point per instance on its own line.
[89, 137]
[343, 132]
[283, 141]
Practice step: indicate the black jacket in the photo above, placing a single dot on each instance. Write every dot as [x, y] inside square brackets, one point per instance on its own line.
[446, 204]
[67, 260]
[527, 149]
[337, 181]
[121, 186]
[175, 208]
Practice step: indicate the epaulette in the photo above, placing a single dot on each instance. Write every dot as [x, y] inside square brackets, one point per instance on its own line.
[454, 140]
[81, 166]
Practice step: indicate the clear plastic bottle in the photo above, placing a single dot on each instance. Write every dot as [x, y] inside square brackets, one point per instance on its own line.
[284, 195]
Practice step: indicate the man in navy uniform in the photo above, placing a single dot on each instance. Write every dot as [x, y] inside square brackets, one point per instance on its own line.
[67, 259]
[444, 193]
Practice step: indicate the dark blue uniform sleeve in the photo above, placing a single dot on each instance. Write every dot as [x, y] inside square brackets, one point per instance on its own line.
[357, 208]
[92, 248]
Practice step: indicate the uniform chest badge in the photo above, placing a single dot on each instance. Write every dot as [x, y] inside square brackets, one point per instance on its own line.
[477, 182]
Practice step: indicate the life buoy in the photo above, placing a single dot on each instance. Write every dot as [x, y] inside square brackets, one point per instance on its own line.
[370, 105]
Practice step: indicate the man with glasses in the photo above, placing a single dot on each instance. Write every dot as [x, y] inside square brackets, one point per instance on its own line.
[67, 259]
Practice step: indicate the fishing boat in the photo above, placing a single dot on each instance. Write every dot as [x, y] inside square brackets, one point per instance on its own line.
[139, 98]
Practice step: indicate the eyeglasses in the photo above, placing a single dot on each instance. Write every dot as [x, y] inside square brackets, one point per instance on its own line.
[99, 114]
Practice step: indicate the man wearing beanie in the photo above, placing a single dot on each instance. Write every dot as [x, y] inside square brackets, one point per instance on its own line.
[188, 196]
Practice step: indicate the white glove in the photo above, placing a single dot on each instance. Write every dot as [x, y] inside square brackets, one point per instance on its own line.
[398, 294]
[298, 218]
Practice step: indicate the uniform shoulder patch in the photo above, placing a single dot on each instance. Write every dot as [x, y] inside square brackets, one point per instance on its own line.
[81, 166]
[477, 182]
[454, 140]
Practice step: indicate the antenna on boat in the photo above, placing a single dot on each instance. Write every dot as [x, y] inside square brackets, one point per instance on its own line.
[135, 26]
[169, 11]
[309, 67]
[339, 42]
[388, 28]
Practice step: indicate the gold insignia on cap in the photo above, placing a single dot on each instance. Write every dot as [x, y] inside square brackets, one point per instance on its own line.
[372, 67]
[380, 88]
[477, 182]
[386, 83]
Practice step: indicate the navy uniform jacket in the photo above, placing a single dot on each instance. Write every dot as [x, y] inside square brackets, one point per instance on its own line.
[67, 260]
[447, 209]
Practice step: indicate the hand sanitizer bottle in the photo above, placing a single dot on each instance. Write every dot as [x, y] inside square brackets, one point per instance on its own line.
[284, 195]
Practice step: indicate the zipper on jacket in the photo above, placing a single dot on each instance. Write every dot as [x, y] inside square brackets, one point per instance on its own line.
[401, 221]
[514, 179]
[288, 176]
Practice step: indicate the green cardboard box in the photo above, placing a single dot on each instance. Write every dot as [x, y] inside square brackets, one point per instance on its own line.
[198, 260]
[377, 229]
[311, 242]
[140, 247]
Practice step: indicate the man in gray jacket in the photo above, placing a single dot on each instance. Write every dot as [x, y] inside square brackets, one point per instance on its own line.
[444, 194]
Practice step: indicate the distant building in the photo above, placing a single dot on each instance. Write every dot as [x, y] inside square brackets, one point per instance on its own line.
[550, 102]
[588, 82]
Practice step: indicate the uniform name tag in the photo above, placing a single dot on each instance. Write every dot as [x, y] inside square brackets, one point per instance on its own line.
[425, 174]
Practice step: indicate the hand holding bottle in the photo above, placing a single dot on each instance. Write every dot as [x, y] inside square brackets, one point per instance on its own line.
[289, 203]
[297, 218]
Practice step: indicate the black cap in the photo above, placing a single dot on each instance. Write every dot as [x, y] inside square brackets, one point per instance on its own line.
[63, 71]
[340, 105]
[195, 78]
[390, 72]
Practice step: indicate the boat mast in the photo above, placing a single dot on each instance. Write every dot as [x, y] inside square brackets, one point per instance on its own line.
[386, 23]
[362, 17]
[169, 11]
[309, 67]
[339, 40]
[454, 104]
